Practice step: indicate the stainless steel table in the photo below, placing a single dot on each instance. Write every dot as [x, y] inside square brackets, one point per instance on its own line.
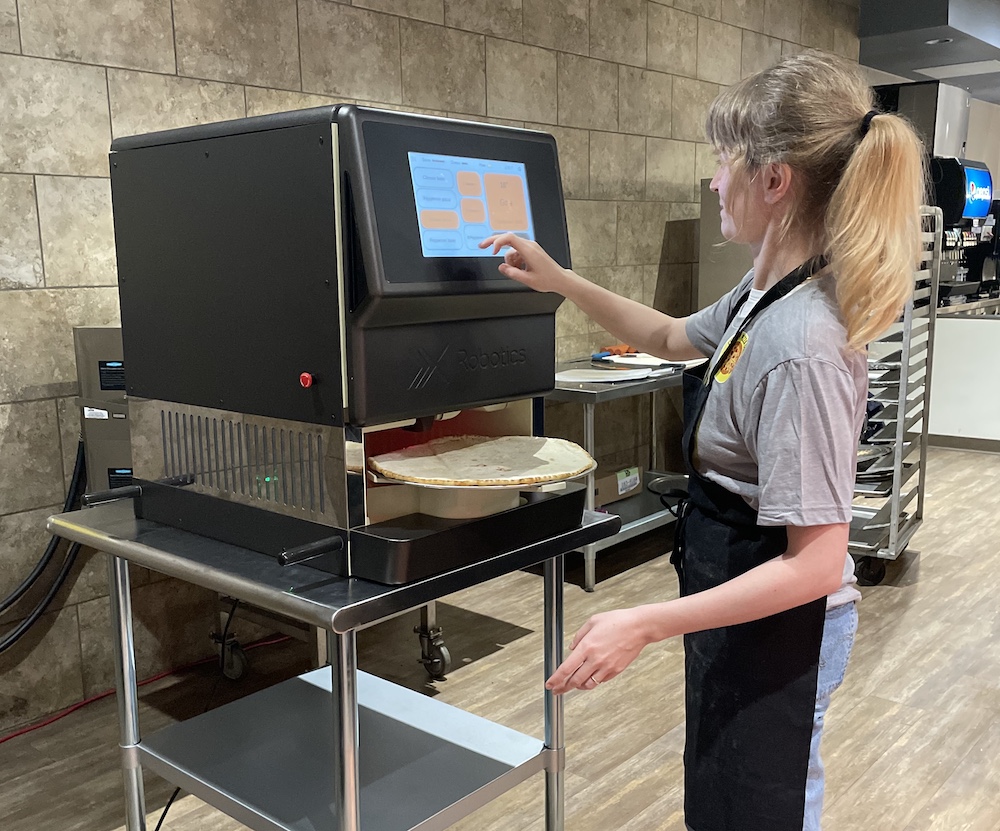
[335, 749]
[643, 511]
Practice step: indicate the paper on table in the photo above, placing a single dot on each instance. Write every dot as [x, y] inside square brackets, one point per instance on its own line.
[644, 359]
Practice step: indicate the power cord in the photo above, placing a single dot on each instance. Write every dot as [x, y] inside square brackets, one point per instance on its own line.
[208, 703]
[76, 487]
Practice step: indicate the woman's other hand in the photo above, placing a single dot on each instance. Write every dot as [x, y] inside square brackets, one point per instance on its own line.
[601, 650]
[527, 262]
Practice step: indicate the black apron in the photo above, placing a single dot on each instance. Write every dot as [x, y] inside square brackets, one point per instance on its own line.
[751, 688]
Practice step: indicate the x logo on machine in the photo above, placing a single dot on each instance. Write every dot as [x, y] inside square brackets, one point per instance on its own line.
[427, 370]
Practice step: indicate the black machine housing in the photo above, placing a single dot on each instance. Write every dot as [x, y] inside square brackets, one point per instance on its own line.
[271, 268]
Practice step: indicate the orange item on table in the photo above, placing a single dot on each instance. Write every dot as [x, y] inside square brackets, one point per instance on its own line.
[619, 349]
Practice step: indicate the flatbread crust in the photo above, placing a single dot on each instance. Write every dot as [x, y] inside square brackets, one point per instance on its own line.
[470, 461]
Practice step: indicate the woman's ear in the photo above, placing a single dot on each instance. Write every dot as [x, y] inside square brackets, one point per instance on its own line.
[776, 179]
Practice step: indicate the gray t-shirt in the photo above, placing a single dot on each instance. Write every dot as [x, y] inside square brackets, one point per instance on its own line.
[781, 427]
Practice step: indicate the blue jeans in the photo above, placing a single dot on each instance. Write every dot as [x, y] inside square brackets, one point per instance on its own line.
[838, 639]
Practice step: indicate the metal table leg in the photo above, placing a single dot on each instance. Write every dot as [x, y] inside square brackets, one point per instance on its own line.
[342, 652]
[555, 798]
[123, 652]
[589, 551]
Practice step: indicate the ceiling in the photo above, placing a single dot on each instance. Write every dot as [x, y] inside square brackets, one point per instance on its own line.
[964, 48]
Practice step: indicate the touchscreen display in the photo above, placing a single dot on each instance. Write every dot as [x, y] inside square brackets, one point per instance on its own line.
[978, 192]
[462, 200]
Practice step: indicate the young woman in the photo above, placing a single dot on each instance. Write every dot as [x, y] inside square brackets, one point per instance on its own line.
[826, 192]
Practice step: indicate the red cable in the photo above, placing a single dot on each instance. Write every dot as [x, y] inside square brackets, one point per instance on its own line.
[74, 707]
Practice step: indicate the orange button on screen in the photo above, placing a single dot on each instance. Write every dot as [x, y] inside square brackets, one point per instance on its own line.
[439, 219]
[468, 183]
[506, 201]
[473, 210]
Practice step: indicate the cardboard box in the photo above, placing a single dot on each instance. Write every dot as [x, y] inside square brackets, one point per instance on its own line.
[611, 487]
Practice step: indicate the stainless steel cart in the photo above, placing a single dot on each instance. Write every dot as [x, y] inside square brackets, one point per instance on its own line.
[643, 511]
[334, 749]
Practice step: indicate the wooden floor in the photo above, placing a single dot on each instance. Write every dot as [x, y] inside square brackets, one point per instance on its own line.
[913, 740]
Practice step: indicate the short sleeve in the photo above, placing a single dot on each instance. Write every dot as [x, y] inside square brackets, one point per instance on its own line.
[806, 443]
[706, 327]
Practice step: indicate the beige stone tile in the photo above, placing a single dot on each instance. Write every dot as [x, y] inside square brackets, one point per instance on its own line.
[172, 621]
[557, 24]
[520, 81]
[36, 352]
[703, 8]
[588, 93]
[419, 110]
[135, 34]
[144, 103]
[788, 48]
[719, 48]
[644, 101]
[431, 11]
[501, 18]
[10, 39]
[759, 52]
[443, 68]
[78, 234]
[690, 107]
[574, 158]
[348, 51]
[783, 19]
[55, 117]
[29, 442]
[23, 539]
[263, 101]
[845, 30]
[747, 14]
[481, 119]
[817, 24]
[617, 166]
[685, 210]
[248, 41]
[570, 320]
[705, 164]
[20, 252]
[592, 232]
[618, 31]
[672, 41]
[640, 232]
[68, 413]
[42, 673]
[670, 170]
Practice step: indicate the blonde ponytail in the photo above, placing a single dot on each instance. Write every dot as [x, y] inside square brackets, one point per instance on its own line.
[873, 228]
[859, 193]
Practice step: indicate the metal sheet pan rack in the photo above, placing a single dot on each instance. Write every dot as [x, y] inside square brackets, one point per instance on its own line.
[334, 749]
[889, 503]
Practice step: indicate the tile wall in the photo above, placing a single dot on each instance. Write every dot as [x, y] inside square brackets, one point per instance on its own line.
[622, 84]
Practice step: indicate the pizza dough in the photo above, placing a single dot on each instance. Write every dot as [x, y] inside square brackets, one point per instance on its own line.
[471, 461]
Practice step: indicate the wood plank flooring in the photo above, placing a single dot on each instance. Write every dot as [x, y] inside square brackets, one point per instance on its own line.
[913, 737]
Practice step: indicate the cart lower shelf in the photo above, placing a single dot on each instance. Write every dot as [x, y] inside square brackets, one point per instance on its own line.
[267, 760]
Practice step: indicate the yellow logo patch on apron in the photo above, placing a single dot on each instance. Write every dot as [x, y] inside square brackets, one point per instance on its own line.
[735, 352]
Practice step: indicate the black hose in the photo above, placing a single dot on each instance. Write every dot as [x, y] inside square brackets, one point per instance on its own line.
[76, 487]
[13, 637]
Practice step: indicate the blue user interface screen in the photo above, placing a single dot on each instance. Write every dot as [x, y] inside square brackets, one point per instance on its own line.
[978, 192]
[462, 200]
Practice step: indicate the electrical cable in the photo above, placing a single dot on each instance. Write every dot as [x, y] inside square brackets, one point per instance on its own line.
[72, 495]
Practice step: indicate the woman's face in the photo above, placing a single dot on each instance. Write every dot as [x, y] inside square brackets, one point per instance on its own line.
[742, 209]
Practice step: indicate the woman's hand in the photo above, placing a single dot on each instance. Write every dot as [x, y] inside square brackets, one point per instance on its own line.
[601, 650]
[527, 262]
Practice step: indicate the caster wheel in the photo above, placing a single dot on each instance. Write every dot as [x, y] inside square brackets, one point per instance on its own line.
[234, 662]
[870, 571]
[437, 662]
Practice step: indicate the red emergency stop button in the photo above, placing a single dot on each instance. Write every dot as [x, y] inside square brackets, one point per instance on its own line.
[306, 379]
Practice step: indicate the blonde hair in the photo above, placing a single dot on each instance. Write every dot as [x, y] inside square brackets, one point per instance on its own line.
[858, 195]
